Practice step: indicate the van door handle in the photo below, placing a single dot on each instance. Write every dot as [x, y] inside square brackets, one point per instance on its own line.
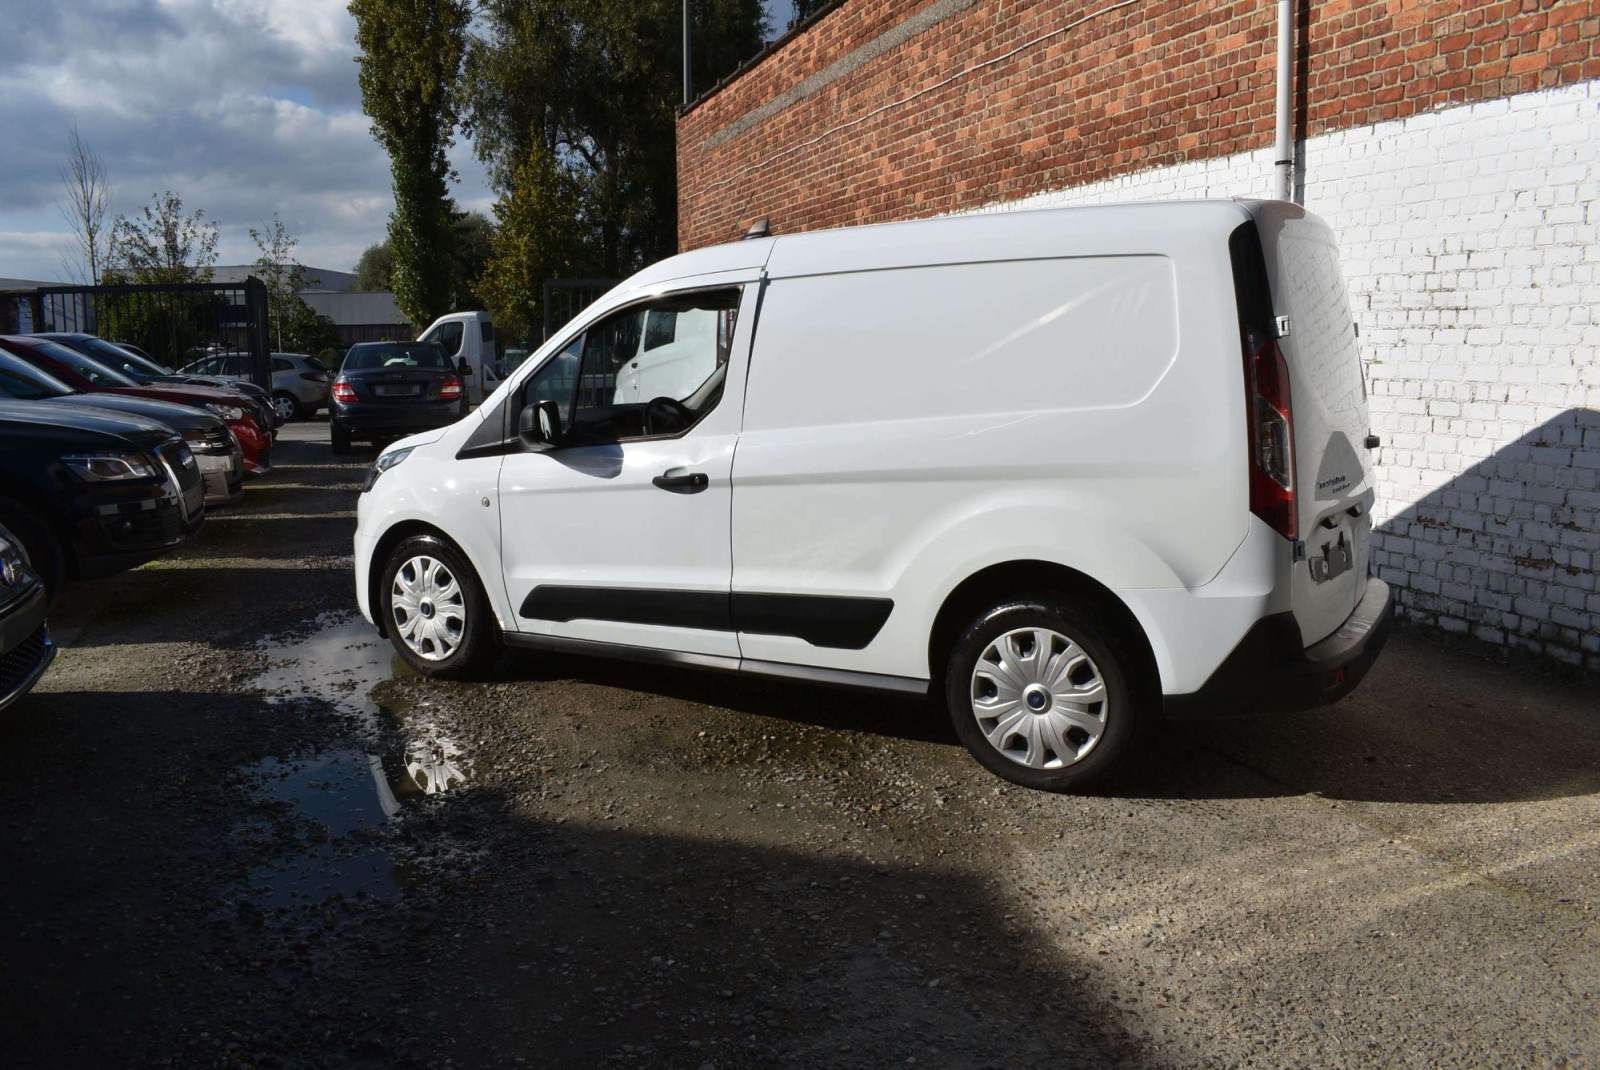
[683, 482]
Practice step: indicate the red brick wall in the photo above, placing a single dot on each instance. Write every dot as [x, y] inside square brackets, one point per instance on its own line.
[1156, 83]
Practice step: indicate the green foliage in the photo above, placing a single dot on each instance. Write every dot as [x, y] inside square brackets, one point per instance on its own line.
[571, 104]
[471, 234]
[281, 273]
[533, 241]
[305, 331]
[473, 237]
[373, 269]
[161, 245]
[410, 65]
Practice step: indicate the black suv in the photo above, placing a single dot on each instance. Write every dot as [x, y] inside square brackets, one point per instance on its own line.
[89, 493]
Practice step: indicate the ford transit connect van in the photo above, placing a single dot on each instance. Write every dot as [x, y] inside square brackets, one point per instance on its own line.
[1057, 470]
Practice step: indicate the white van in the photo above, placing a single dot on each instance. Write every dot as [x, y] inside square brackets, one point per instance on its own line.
[468, 339]
[1058, 470]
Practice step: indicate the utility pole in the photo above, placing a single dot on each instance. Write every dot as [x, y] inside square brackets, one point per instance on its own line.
[688, 77]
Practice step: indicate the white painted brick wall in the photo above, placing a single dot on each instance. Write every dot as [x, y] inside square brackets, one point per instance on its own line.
[1471, 243]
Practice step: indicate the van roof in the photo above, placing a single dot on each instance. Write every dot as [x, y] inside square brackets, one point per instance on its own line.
[985, 236]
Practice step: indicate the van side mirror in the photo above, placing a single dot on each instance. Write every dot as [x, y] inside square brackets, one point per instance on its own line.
[539, 426]
[464, 368]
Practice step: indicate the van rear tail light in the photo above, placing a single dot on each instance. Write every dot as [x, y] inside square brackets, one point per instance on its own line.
[449, 389]
[343, 391]
[315, 377]
[1272, 491]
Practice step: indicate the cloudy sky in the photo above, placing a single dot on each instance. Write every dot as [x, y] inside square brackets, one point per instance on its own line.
[242, 108]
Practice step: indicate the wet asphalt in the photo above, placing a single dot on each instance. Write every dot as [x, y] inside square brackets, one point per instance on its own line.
[238, 833]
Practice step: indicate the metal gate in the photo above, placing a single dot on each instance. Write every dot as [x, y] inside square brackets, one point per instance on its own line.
[565, 298]
[175, 324]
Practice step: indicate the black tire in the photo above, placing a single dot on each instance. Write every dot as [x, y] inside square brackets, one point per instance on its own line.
[40, 543]
[1124, 715]
[294, 410]
[338, 440]
[476, 643]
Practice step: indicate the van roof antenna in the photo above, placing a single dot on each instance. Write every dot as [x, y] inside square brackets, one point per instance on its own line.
[761, 228]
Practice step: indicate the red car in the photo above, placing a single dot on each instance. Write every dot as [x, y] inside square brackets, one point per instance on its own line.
[84, 373]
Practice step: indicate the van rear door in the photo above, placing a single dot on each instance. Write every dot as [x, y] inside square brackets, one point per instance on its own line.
[1327, 409]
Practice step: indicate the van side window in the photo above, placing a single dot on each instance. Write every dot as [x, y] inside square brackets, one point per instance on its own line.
[647, 371]
[556, 380]
[448, 335]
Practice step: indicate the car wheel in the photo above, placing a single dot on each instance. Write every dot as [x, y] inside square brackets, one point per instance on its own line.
[339, 439]
[435, 610]
[39, 543]
[286, 407]
[1038, 691]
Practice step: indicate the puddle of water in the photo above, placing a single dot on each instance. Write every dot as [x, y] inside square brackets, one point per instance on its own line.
[339, 663]
[344, 792]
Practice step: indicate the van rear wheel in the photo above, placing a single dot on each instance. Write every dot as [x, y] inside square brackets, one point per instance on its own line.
[1038, 691]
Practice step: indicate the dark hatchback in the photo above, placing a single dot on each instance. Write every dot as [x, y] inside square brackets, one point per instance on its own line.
[388, 389]
[25, 647]
[89, 493]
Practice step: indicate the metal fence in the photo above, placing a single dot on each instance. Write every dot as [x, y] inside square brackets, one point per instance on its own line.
[565, 298]
[175, 324]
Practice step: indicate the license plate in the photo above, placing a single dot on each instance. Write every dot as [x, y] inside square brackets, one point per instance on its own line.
[396, 390]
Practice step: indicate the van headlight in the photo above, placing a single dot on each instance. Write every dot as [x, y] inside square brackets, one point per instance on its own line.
[383, 464]
[108, 467]
[226, 412]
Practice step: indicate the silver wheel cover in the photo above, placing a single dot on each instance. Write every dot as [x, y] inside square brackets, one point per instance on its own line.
[283, 407]
[1039, 699]
[427, 607]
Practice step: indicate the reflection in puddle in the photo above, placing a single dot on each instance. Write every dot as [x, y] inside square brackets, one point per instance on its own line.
[344, 799]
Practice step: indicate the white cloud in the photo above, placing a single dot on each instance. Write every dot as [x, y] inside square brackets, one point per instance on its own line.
[243, 108]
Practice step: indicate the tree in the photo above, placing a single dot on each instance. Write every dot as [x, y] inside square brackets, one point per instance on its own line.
[410, 66]
[280, 272]
[307, 331]
[571, 104]
[534, 241]
[373, 269]
[474, 234]
[161, 245]
[86, 208]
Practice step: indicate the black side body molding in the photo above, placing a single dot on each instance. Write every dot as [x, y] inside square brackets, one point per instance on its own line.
[821, 620]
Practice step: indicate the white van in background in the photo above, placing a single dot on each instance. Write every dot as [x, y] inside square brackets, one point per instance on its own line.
[469, 336]
[1057, 470]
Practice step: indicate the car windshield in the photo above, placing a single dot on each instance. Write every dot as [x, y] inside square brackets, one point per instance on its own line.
[396, 355]
[137, 364]
[91, 369]
[21, 380]
[317, 364]
[115, 357]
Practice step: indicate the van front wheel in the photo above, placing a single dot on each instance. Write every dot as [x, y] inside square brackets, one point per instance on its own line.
[1038, 692]
[435, 611]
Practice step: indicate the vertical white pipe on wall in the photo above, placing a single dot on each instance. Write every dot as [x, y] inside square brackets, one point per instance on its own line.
[1283, 158]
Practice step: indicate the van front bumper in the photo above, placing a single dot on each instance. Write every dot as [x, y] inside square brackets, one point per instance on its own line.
[1270, 671]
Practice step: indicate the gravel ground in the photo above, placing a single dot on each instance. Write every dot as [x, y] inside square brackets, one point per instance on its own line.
[224, 852]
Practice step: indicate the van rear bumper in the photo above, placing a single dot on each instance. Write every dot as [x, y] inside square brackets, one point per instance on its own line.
[1269, 671]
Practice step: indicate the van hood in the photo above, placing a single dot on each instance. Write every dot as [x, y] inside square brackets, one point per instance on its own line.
[421, 438]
